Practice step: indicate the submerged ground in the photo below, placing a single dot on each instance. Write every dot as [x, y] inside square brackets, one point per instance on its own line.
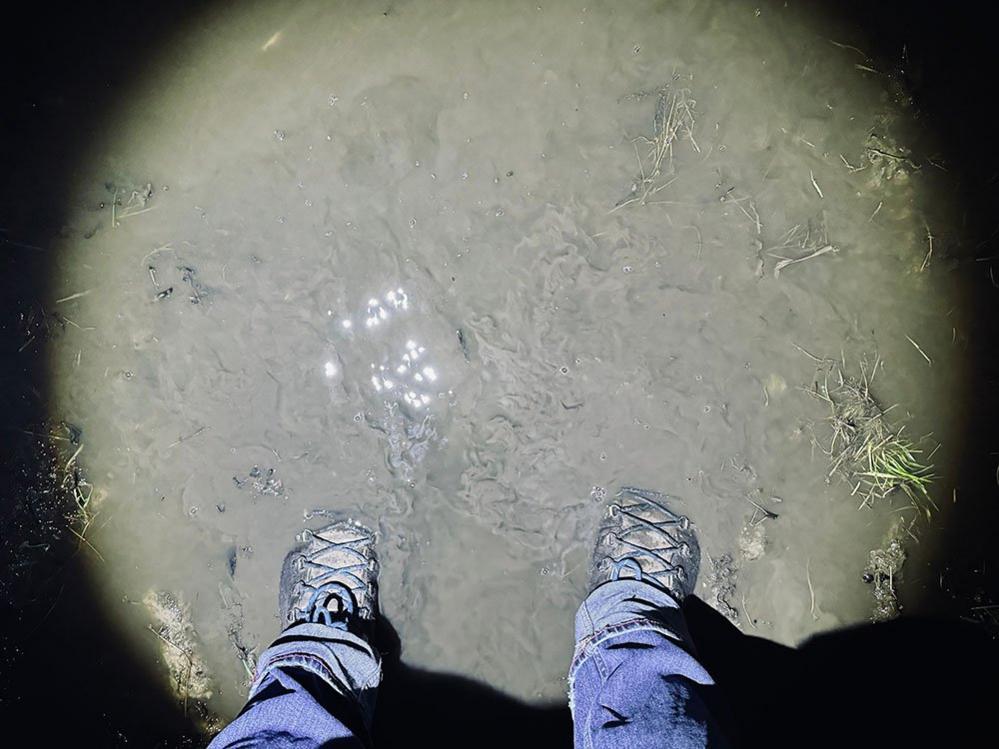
[463, 271]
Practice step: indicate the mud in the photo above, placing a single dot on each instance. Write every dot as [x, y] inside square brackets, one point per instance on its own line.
[410, 281]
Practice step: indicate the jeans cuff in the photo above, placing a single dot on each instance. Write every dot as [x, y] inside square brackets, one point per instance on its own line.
[621, 606]
[343, 660]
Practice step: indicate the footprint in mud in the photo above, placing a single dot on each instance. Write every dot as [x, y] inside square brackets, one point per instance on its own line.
[720, 586]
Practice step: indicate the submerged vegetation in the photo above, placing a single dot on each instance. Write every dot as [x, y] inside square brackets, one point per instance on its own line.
[673, 121]
[865, 448]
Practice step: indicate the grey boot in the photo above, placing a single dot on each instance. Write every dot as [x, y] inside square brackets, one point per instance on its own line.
[641, 537]
[331, 578]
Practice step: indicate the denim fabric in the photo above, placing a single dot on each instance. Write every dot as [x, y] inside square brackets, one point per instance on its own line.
[315, 687]
[633, 684]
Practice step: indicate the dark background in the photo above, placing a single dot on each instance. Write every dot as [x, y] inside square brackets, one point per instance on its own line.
[62, 672]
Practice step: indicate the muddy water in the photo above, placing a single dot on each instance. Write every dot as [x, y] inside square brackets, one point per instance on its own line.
[378, 269]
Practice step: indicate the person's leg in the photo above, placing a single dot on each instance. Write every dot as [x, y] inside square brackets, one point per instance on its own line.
[315, 686]
[635, 681]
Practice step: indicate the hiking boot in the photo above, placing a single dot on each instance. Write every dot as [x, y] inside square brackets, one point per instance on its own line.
[640, 537]
[331, 578]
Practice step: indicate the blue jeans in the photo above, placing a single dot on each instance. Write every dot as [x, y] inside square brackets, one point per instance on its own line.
[634, 682]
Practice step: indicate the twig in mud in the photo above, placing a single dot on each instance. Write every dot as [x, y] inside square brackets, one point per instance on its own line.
[767, 515]
[187, 655]
[136, 213]
[816, 184]
[850, 166]
[811, 588]
[886, 154]
[876, 210]
[76, 324]
[791, 261]
[745, 610]
[754, 216]
[39, 435]
[814, 242]
[71, 297]
[811, 356]
[933, 162]
[922, 353]
[73, 458]
[244, 654]
[849, 47]
[179, 440]
[168, 641]
[929, 251]
[86, 541]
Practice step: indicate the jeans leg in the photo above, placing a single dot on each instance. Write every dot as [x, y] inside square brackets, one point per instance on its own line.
[634, 682]
[315, 687]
